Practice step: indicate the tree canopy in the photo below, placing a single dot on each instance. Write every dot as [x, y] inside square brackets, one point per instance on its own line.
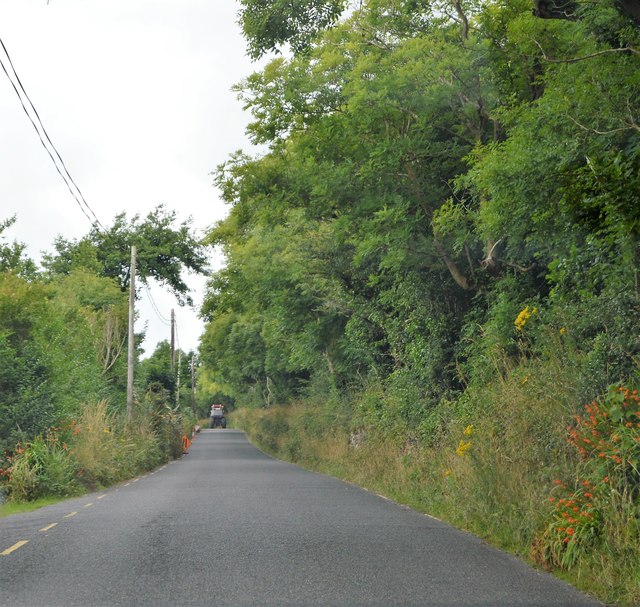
[164, 250]
[432, 169]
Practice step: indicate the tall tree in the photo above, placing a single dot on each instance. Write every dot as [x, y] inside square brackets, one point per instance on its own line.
[164, 251]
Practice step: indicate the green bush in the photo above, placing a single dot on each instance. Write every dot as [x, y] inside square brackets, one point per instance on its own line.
[44, 467]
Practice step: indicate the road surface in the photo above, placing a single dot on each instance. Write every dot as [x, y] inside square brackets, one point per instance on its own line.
[228, 525]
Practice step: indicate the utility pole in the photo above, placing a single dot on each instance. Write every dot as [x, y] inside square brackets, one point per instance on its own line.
[193, 382]
[173, 340]
[131, 344]
[178, 378]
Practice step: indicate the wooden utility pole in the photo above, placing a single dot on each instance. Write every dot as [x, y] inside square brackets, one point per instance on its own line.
[131, 349]
[178, 377]
[173, 340]
[193, 382]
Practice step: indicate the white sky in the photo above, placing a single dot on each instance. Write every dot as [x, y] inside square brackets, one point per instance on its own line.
[135, 95]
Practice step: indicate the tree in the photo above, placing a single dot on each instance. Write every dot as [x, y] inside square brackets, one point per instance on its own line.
[12, 255]
[164, 249]
[430, 167]
[268, 25]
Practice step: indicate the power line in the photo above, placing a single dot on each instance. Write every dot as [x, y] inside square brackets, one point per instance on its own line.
[59, 164]
[162, 318]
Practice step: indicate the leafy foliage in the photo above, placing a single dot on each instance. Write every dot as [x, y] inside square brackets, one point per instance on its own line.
[268, 25]
[447, 203]
[163, 251]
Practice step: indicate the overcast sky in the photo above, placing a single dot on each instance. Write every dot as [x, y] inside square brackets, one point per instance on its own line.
[135, 95]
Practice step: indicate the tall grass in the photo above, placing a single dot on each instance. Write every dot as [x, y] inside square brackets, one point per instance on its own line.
[94, 450]
[490, 465]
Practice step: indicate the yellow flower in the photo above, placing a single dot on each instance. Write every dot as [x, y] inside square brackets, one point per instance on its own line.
[463, 447]
[522, 318]
[468, 430]
[447, 473]
[563, 330]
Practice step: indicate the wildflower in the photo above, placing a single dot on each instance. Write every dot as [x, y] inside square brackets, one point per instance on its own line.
[522, 318]
[463, 447]
[570, 531]
[447, 473]
[563, 330]
[468, 430]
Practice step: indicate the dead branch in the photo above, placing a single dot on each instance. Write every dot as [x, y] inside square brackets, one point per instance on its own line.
[626, 49]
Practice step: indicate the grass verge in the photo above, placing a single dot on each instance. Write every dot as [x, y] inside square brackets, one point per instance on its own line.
[511, 475]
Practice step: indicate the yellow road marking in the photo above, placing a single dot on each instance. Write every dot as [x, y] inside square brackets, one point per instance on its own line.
[101, 496]
[135, 480]
[88, 505]
[51, 526]
[70, 515]
[127, 484]
[13, 548]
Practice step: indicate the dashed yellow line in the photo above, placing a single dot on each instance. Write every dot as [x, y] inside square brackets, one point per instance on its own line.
[51, 526]
[13, 548]
[70, 515]
[88, 505]
[101, 496]
[135, 480]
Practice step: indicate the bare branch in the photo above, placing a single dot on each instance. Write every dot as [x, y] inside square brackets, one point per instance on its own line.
[518, 266]
[632, 127]
[457, 4]
[626, 49]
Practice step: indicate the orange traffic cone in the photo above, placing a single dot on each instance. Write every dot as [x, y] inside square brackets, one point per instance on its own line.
[186, 443]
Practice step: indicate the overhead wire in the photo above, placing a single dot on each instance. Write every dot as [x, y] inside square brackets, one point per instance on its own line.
[43, 135]
[59, 164]
[155, 307]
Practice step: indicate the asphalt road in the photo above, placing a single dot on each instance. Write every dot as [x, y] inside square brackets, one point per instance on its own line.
[227, 525]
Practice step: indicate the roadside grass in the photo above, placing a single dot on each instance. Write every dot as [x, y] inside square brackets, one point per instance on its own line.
[9, 508]
[493, 470]
[94, 450]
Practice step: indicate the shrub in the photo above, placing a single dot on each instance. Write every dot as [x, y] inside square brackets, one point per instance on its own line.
[43, 467]
[607, 441]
